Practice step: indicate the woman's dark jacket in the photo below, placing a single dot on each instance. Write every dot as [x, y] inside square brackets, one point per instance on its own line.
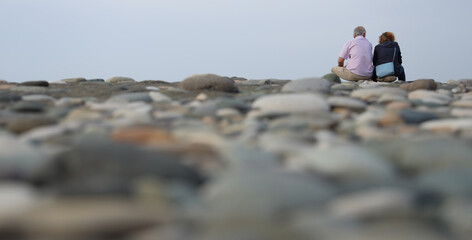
[383, 53]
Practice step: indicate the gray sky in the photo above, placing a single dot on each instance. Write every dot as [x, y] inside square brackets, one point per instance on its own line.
[172, 39]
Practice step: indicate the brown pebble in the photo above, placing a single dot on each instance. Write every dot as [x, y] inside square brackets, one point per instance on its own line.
[143, 135]
[398, 105]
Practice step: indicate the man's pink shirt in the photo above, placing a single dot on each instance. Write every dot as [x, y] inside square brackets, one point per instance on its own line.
[359, 53]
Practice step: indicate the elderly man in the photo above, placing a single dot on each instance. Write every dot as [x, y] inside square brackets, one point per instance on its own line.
[359, 53]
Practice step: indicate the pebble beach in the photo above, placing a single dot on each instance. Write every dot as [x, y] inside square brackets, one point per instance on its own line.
[230, 158]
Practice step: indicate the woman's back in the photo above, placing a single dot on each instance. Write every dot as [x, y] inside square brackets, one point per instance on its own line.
[387, 51]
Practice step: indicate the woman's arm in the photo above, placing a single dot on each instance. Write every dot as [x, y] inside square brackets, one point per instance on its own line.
[374, 59]
[399, 54]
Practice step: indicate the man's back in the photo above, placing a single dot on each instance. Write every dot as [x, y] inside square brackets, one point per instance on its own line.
[359, 53]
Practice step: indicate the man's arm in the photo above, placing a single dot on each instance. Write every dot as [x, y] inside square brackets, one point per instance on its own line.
[341, 62]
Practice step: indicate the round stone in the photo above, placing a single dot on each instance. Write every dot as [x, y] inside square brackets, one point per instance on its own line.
[466, 82]
[347, 102]
[35, 83]
[29, 107]
[9, 97]
[447, 125]
[30, 89]
[159, 97]
[74, 80]
[430, 97]
[262, 194]
[291, 103]
[345, 163]
[89, 218]
[308, 85]
[426, 155]
[427, 84]
[143, 135]
[96, 167]
[462, 103]
[370, 94]
[96, 80]
[210, 82]
[452, 182]
[332, 78]
[20, 160]
[27, 122]
[462, 112]
[120, 80]
[38, 98]
[210, 108]
[131, 97]
[389, 97]
[15, 199]
[411, 116]
[376, 202]
[398, 105]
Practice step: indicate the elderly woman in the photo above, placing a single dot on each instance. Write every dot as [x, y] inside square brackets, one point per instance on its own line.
[385, 52]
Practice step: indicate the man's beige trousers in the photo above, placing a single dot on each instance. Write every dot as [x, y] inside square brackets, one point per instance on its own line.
[345, 74]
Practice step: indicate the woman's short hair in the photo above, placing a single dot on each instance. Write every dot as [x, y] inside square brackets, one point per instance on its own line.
[387, 36]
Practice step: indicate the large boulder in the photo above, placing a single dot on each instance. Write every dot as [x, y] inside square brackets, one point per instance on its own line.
[211, 82]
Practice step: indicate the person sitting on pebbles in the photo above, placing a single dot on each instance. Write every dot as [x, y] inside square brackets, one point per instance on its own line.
[359, 53]
[386, 51]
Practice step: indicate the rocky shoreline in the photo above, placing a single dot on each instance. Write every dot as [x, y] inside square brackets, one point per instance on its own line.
[218, 158]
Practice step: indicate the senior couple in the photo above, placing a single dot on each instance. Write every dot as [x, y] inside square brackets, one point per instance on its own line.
[361, 64]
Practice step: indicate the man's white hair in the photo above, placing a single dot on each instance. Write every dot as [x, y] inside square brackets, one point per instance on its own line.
[359, 31]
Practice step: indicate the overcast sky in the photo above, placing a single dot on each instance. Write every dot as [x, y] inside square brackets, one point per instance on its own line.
[256, 39]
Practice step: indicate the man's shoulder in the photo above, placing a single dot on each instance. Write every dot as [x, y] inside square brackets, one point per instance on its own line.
[350, 41]
[359, 39]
